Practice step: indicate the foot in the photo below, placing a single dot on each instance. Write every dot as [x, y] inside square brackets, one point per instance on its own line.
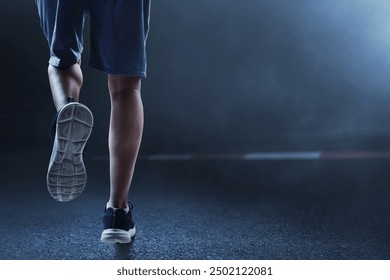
[118, 225]
[67, 176]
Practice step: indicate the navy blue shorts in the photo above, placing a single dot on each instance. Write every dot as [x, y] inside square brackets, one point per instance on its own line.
[119, 29]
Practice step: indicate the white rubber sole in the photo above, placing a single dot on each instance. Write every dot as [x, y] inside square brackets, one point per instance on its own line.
[67, 176]
[113, 235]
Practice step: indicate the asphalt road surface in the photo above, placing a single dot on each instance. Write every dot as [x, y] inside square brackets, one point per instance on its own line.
[204, 209]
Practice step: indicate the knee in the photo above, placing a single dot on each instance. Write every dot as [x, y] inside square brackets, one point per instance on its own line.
[122, 86]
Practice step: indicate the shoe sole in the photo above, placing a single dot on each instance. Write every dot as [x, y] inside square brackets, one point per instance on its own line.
[67, 176]
[113, 235]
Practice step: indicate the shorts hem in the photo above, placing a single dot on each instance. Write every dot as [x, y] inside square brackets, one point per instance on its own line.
[122, 72]
[61, 63]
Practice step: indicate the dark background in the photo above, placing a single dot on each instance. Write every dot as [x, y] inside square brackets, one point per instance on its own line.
[224, 76]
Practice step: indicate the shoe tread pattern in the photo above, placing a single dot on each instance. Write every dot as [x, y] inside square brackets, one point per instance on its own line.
[67, 174]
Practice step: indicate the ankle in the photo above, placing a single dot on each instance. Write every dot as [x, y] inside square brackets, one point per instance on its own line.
[117, 205]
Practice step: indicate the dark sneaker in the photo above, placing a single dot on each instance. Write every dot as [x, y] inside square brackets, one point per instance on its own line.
[67, 176]
[118, 226]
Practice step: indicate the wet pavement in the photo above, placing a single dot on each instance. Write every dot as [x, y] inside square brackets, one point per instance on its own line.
[204, 209]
